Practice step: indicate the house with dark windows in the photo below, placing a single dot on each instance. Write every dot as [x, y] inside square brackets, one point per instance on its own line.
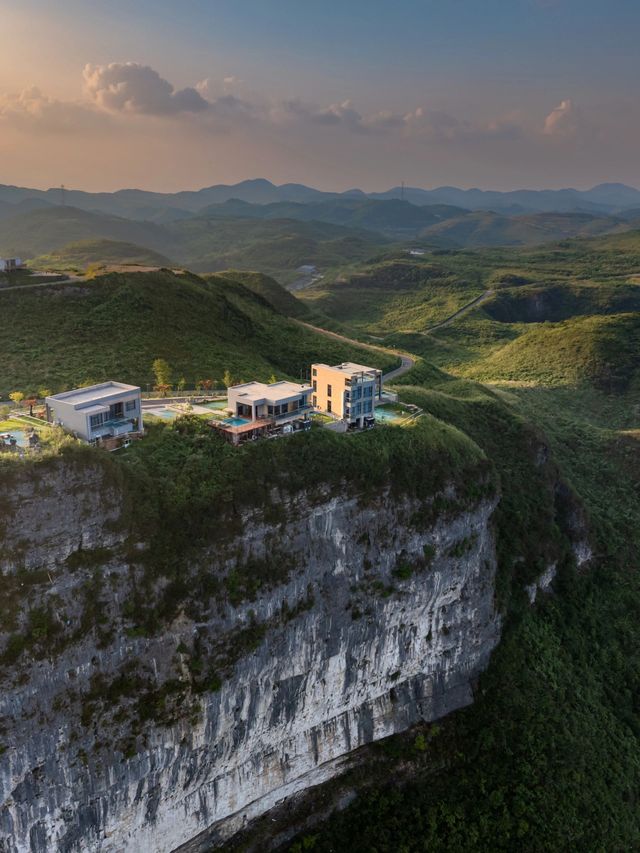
[98, 413]
[347, 391]
[258, 409]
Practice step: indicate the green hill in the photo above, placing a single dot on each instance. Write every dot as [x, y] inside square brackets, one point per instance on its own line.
[393, 217]
[278, 297]
[113, 326]
[602, 350]
[485, 228]
[204, 244]
[77, 256]
[40, 232]
[394, 294]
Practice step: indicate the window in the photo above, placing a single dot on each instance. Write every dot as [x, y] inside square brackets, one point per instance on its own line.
[131, 405]
[315, 401]
[315, 373]
[315, 385]
[368, 391]
[328, 390]
[96, 421]
[367, 406]
[328, 405]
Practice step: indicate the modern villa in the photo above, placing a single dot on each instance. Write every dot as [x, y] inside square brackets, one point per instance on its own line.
[98, 413]
[10, 264]
[260, 409]
[347, 391]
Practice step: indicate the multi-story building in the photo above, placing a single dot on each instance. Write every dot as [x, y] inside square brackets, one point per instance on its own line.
[97, 412]
[347, 391]
[259, 409]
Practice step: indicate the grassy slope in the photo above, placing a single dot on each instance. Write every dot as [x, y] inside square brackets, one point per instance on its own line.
[201, 244]
[77, 256]
[484, 228]
[547, 758]
[115, 325]
[394, 294]
[42, 231]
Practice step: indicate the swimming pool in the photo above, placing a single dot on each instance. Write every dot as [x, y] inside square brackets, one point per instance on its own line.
[388, 416]
[19, 435]
[160, 412]
[236, 421]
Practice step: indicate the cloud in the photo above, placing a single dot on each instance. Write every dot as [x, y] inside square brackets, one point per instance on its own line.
[562, 120]
[132, 88]
[31, 108]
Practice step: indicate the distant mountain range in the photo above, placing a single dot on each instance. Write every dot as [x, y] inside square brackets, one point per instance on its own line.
[609, 198]
[279, 236]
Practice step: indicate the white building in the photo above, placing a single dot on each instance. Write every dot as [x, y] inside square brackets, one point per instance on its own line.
[107, 410]
[10, 264]
[280, 401]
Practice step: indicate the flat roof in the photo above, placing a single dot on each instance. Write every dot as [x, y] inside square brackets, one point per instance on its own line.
[254, 391]
[349, 368]
[92, 393]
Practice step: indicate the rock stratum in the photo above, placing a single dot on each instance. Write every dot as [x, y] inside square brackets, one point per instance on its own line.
[369, 616]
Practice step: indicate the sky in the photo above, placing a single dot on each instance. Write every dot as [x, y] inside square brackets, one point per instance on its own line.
[178, 94]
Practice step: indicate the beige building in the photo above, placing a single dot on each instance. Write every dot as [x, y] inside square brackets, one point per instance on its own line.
[348, 391]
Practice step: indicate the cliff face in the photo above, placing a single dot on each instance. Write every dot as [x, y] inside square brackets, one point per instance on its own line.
[375, 615]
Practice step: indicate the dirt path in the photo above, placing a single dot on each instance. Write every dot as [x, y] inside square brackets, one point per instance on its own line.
[407, 360]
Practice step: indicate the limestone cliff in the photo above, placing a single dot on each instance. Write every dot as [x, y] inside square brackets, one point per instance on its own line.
[337, 624]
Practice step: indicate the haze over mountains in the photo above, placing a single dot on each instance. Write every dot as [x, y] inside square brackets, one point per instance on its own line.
[276, 229]
[604, 198]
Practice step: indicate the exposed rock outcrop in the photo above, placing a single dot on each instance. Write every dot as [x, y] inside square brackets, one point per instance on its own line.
[376, 615]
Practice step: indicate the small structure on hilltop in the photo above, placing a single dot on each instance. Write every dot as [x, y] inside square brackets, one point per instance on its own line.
[259, 409]
[10, 264]
[347, 391]
[105, 414]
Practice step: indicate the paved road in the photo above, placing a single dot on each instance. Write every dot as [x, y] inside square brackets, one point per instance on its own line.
[407, 360]
[71, 278]
[460, 312]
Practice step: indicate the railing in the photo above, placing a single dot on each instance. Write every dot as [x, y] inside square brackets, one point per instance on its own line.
[294, 412]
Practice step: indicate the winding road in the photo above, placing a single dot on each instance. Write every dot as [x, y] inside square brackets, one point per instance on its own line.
[460, 312]
[407, 361]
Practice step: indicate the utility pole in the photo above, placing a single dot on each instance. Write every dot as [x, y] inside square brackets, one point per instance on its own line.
[62, 194]
[402, 191]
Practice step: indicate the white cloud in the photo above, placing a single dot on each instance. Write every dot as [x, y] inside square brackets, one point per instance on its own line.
[132, 88]
[562, 120]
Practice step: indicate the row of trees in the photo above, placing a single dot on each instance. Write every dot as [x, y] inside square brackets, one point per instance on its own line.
[164, 379]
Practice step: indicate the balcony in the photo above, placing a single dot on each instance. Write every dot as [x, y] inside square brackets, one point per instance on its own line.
[113, 426]
[302, 411]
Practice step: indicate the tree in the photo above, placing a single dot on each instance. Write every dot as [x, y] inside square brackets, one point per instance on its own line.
[162, 388]
[31, 402]
[227, 379]
[162, 371]
[44, 392]
[16, 397]
[207, 384]
[182, 383]
[272, 379]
